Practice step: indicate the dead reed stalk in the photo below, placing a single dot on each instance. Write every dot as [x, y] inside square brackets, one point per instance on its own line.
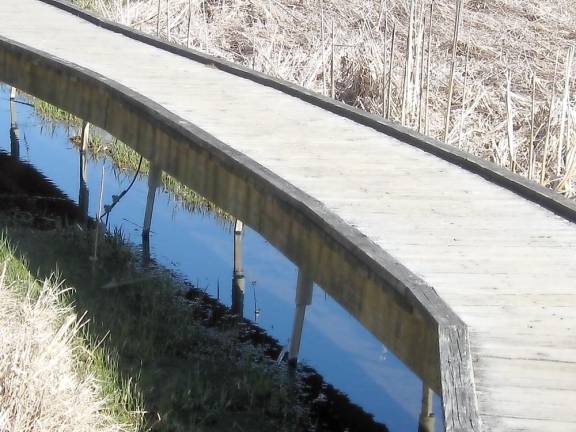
[455, 36]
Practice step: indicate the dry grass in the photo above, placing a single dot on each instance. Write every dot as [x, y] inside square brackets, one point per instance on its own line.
[43, 385]
[518, 39]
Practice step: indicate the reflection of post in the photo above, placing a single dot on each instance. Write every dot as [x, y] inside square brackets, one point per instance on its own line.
[427, 420]
[83, 196]
[153, 181]
[146, 250]
[303, 299]
[238, 283]
[14, 132]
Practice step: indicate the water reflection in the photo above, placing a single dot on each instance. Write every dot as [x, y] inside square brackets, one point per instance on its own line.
[238, 281]
[83, 194]
[14, 132]
[333, 342]
[154, 177]
[304, 289]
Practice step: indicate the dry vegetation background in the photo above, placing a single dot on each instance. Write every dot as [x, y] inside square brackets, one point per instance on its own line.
[509, 64]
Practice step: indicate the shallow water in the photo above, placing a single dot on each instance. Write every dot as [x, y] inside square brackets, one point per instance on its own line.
[200, 249]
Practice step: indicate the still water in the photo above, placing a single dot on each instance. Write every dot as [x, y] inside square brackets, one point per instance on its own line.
[199, 248]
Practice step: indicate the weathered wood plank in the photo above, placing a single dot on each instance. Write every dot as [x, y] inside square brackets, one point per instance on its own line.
[458, 379]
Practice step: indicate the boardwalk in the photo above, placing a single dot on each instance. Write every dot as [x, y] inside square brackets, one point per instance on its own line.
[504, 265]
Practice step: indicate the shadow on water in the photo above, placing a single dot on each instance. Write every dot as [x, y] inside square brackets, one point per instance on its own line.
[158, 341]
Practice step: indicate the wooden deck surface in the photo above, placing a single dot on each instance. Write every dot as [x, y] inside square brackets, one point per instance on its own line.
[505, 265]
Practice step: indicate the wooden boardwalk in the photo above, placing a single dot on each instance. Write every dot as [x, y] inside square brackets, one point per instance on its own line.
[504, 264]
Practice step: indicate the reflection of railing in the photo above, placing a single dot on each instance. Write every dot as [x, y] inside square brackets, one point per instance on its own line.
[238, 281]
[84, 195]
[14, 132]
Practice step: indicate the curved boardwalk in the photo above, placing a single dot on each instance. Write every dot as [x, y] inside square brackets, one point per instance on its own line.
[505, 265]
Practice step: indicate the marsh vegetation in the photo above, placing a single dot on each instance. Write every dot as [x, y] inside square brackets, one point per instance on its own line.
[494, 78]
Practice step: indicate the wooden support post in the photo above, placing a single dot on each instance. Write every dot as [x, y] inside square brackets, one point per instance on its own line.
[238, 282]
[14, 132]
[303, 299]
[83, 194]
[154, 177]
[427, 419]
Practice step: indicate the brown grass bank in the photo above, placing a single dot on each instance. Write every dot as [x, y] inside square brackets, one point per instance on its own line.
[49, 378]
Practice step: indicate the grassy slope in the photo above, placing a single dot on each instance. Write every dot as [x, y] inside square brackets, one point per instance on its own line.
[188, 376]
[52, 377]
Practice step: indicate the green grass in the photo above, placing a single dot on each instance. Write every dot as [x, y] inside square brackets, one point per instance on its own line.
[123, 401]
[185, 374]
[50, 112]
[127, 160]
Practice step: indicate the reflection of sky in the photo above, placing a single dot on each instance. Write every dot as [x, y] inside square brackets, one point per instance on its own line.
[199, 248]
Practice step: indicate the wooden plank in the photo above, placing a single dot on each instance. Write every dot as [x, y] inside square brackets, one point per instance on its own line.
[457, 380]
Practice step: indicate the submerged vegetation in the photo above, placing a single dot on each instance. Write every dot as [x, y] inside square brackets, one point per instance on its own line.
[102, 145]
[492, 77]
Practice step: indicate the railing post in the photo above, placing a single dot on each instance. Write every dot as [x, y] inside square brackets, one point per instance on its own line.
[14, 132]
[303, 299]
[84, 195]
[154, 177]
[238, 282]
[427, 419]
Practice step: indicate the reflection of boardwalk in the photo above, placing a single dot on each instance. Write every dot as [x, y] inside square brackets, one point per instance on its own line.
[505, 265]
